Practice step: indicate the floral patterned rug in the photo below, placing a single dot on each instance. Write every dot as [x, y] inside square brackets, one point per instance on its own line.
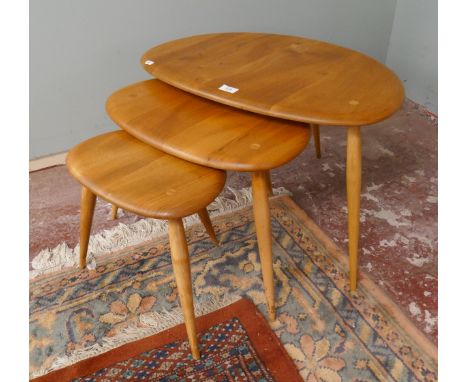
[330, 333]
[236, 344]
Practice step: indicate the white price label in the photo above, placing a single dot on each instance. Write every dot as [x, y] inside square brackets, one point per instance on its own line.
[227, 88]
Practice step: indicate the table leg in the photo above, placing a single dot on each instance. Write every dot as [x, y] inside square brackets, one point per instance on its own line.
[270, 187]
[181, 264]
[316, 130]
[204, 217]
[261, 207]
[353, 187]
[114, 211]
[88, 202]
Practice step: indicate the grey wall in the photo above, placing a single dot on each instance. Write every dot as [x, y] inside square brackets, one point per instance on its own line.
[412, 52]
[83, 50]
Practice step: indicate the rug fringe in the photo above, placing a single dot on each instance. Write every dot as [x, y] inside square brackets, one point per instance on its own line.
[62, 256]
[155, 322]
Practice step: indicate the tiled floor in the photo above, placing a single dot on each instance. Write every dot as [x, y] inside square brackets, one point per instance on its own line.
[399, 205]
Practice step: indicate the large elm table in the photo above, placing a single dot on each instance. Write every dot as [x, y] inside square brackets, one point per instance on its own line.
[293, 78]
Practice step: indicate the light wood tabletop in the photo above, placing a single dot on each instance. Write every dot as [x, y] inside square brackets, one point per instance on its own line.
[288, 77]
[203, 131]
[128, 173]
[283, 76]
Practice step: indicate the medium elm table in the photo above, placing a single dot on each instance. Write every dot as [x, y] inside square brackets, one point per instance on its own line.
[287, 77]
[214, 135]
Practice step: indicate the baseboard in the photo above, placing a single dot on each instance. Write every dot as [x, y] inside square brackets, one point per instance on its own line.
[47, 161]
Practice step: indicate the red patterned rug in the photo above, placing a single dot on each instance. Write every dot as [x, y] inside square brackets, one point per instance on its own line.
[236, 344]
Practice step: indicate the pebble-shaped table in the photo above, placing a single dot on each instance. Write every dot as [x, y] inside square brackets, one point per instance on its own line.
[214, 135]
[288, 77]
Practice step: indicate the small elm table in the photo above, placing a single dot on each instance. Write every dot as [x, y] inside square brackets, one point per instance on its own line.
[288, 77]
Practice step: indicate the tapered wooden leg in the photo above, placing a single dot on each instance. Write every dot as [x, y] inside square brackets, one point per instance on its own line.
[353, 186]
[270, 187]
[205, 219]
[114, 212]
[88, 201]
[183, 277]
[316, 130]
[260, 187]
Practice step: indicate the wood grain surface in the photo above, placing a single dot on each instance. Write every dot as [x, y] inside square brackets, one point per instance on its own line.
[141, 179]
[288, 77]
[203, 131]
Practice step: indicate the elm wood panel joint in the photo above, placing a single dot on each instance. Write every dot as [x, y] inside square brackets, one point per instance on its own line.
[203, 131]
[288, 77]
